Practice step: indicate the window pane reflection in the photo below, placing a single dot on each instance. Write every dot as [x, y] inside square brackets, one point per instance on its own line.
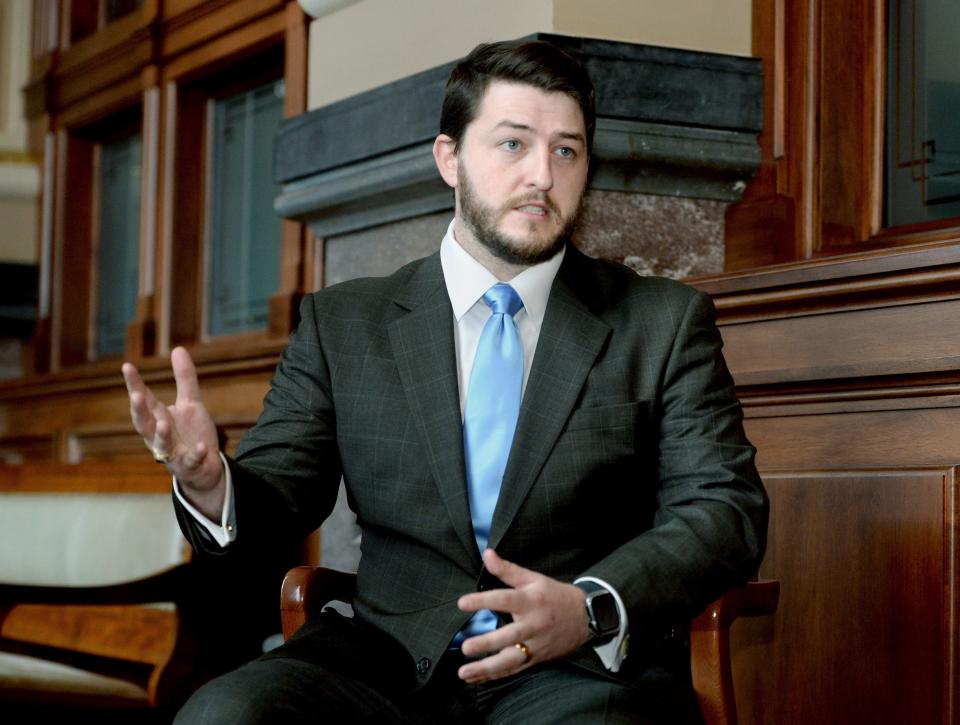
[118, 246]
[923, 111]
[244, 234]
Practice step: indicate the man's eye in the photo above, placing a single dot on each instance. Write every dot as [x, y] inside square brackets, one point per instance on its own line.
[566, 152]
[511, 144]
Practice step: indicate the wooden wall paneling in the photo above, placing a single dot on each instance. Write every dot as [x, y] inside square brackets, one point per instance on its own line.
[182, 236]
[74, 84]
[16, 450]
[284, 311]
[126, 477]
[76, 199]
[894, 432]
[79, 19]
[852, 343]
[774, 221]
[313, 262]
[868, 600]
[101, 104]
[215, 38]
[142, 330]
[52, 420]
[102, 442]
[86, 17]
[850, 60]
[847, 372]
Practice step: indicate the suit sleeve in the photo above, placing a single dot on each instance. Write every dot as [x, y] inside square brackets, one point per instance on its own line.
[287, 469]
[709, 530]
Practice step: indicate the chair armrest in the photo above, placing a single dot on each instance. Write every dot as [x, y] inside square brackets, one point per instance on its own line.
[710, 665]
[753, 599]
[306, 590]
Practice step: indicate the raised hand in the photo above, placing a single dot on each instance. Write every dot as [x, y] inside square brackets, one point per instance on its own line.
[183, 435]
[549, 621]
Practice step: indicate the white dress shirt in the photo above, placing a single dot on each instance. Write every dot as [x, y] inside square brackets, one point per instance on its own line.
[467, 280]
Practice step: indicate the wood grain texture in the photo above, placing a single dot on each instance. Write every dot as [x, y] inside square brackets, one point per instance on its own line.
[868, 604]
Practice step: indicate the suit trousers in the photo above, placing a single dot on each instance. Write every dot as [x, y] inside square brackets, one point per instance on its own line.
[338, 670]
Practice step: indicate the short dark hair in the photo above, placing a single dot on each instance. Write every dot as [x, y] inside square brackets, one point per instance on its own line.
[533, 62]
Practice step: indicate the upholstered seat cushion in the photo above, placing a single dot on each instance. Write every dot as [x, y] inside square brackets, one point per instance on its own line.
[27, 677]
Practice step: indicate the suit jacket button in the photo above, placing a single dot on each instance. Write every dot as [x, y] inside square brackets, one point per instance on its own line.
[423, 665]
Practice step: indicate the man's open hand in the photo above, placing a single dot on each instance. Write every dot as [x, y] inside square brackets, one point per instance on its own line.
[549, 620]
[182, 435]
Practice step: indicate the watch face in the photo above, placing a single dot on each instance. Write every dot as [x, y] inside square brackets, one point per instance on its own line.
[605, 613]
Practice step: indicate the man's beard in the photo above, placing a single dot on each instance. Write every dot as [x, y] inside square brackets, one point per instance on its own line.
[482, 222]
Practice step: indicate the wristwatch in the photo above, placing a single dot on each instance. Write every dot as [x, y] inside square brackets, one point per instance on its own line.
[602, 614]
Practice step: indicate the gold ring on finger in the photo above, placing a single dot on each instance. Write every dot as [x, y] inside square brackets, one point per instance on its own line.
[526, 651]
[161, 457]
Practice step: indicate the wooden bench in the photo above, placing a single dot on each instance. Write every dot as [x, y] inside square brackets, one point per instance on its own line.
[92, 568]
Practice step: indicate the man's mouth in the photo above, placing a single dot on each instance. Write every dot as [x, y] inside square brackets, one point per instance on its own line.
[533, 209]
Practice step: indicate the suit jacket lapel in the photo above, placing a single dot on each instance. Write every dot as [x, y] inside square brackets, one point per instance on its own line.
[570, 340]
[425, 354]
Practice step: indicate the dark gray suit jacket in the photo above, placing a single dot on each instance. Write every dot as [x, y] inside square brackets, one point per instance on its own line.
[629, 462]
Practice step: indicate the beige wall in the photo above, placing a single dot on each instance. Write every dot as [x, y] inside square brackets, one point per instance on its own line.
[719, 26]
[373, 42]
[19, 175]
[361, 44]
[18, 224]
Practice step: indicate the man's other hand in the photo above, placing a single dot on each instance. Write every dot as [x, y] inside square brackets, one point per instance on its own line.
[549, 621]
[182, 436]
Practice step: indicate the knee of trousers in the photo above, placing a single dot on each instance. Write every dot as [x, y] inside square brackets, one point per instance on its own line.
[227, 700]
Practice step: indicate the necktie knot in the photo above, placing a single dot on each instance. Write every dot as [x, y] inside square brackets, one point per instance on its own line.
[503, 299]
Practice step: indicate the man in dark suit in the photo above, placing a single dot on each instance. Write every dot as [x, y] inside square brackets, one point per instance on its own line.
[596, 492]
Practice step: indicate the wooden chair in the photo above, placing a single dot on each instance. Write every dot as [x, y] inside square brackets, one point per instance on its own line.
[93, 591]
[307, 590]
[96, 646]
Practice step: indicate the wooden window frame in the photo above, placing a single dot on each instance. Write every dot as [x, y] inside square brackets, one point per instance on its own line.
[146, 58]
[78, 214]
[191, 94]
[820, 190]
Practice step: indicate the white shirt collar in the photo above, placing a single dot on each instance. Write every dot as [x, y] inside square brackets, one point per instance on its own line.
[467, 280]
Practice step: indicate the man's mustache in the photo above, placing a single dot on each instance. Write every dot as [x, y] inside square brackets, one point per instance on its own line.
[534, 197]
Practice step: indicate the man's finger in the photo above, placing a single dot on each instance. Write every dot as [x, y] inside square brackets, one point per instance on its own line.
[505, 662]
[135, 384]
[143, 420]
[492, 642]
[498, 600]
[185, 373]
[163, 437]
[506, 571]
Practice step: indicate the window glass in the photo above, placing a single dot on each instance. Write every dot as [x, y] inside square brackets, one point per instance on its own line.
[243, 268]
[118, 245]
[923, 111]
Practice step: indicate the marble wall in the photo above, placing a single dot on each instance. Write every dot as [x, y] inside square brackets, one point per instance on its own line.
[668, 236]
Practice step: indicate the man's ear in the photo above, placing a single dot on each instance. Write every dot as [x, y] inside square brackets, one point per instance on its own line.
[445, 154]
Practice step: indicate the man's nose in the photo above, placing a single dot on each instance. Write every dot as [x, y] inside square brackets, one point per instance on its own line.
[540, 170]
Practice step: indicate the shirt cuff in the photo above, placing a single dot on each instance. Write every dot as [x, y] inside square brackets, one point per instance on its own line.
[612, 653]
[225, 532]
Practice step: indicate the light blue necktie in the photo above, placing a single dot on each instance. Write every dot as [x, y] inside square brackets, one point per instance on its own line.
[490, 418]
